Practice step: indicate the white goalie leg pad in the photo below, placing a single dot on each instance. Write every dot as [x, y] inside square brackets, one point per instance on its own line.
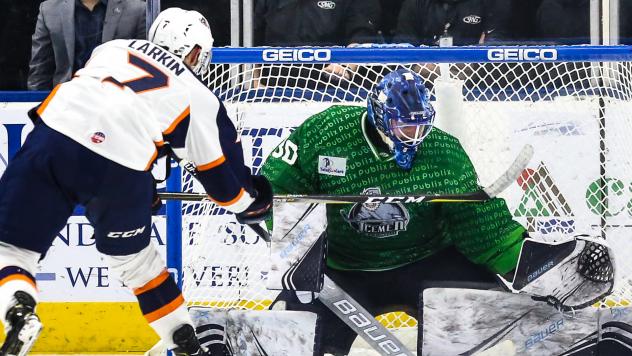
[11, 255]
[459, 321]
[136, 271]
[251, 332]
[569, 274]
[297, 249]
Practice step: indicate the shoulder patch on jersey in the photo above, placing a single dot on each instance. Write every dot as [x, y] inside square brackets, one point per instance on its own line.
[97, 137]
[333, 166]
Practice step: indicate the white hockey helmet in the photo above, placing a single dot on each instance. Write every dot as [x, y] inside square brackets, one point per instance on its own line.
[179, 31]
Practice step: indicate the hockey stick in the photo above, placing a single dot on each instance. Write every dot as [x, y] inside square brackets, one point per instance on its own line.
[353, 313]
[481, 195]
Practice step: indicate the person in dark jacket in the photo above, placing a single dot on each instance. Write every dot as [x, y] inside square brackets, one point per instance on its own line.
[317, 23]
[563, 21]
[68, 30]
[17, 21]
[568, 21]
[216, 11]
[458, 22]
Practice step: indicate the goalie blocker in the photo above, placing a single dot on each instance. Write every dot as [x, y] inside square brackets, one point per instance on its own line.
[298, 247]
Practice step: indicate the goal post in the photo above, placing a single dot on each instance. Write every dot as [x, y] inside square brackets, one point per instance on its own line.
[573, 104]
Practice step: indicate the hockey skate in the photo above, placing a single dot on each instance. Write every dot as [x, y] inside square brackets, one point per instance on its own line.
[23, 326]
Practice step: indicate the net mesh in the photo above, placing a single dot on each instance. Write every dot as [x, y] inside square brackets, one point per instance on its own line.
[577, 115]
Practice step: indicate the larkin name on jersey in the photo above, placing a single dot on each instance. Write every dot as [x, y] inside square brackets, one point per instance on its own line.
[159, 55]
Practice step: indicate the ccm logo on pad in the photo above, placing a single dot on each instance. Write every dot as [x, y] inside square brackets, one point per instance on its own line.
[124, 234]
[522, 54]
[296, 55]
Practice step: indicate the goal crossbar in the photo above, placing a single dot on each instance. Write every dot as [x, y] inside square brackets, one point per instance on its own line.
[397, 54]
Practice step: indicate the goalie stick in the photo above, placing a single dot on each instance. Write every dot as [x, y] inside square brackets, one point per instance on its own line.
[481, 195]
[353, 313]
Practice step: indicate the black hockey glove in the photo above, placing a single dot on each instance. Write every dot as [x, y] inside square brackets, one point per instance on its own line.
[261, 208]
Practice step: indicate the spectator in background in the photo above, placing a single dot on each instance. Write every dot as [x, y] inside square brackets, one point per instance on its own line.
[390, 11]
[522, 20]
[17, 20]
[458, 22]
[317, 23]
[216, 11]
[563, 22]
[68, 30]
[567, 22]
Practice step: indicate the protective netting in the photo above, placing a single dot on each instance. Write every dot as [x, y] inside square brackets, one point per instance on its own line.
[577, 115]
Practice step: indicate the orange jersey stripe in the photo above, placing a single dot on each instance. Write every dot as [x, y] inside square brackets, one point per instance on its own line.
[166, 309]
[151, 160]
[42, 107]
[232, 201]
[215, 163]
[17, 277]
[155, 155]
[177, 121]
[153, 283]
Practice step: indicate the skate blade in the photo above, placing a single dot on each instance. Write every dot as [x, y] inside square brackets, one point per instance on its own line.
[29, 333]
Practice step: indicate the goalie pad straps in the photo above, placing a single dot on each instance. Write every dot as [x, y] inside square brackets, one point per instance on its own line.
[255, 332]
[568, 275]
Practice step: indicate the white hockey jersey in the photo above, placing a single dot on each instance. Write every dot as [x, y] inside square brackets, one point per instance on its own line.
[131, 97]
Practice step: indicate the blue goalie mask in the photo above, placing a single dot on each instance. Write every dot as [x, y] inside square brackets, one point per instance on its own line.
[400, 109]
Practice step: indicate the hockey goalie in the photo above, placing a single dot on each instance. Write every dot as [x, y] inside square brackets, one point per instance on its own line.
[473, 277]
[384, 255]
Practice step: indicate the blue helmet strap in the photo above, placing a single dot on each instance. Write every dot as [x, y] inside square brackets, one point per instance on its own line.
[404, 155]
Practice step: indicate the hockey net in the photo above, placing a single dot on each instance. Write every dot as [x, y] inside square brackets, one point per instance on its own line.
[576, 114]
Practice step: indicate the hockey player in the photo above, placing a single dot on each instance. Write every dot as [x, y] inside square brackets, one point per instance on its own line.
[384, 255]
[94, 142]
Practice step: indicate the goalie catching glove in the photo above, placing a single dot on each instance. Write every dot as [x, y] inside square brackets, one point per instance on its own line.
[261, 208]
[569, 274]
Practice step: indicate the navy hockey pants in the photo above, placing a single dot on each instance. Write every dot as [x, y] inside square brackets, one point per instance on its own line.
[51, 174]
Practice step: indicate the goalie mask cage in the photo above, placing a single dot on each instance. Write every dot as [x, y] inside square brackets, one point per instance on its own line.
[572, 103]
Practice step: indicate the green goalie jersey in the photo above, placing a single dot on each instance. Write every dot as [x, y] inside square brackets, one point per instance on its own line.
[333, 152]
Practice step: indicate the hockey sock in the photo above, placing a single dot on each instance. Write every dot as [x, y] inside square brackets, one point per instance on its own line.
[162, 304]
